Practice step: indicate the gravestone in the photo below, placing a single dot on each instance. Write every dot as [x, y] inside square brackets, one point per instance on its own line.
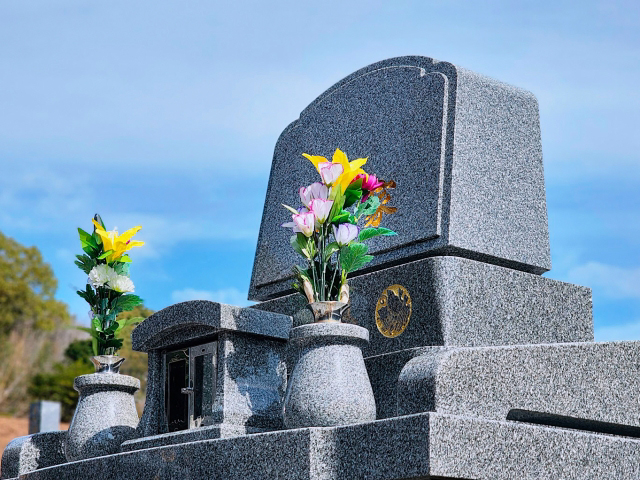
[481, 367]
[463, 149]
[44, 416]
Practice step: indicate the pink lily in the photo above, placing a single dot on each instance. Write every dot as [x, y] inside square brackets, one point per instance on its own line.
[304, 223]
[321, 208]
[330, 172]
[313, 191]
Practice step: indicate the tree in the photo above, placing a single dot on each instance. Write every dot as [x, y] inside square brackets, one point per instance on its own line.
[27, 288]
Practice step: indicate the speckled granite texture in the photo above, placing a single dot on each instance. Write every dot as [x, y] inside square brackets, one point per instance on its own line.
[197, 319]
[595, 381]
[462, 302]
[190, 435]
[251, 381]
[384, 371]
[26, 454]
[105, 417]
[412, 447]
[464, 151]
[329, 385]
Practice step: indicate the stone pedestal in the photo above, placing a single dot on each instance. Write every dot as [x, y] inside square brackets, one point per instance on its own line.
[105, 417]
[329, 385]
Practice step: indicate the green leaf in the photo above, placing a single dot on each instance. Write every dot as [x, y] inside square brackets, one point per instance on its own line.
[96, 323]
[353, 193]
[332, 248]
[125, 322]
[369, 207]
[343, 217]
[85, 263]
[89, 244]
[125, 259]
[295, 245]
[368, 233]
[105, 254]
[121, 268]
[126, 303]
[354, 256]
[338, 201]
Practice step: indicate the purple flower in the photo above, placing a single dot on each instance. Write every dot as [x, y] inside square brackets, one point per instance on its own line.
[345, 233]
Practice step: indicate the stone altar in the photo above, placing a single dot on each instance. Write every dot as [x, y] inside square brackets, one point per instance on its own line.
[480, 367]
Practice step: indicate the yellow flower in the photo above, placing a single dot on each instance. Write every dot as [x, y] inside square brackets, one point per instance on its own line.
[350, 169]
[118, 243]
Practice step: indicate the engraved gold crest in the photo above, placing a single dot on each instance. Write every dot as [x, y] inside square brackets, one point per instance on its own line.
[393, 311]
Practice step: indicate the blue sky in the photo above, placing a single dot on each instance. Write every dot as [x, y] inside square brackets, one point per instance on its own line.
[165, 114]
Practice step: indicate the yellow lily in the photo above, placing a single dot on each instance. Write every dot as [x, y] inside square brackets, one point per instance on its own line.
[118, 243]
[350, 169]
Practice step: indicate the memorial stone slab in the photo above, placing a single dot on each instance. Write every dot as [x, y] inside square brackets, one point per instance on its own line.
[458, 302]
[463, 149]
[585, 381]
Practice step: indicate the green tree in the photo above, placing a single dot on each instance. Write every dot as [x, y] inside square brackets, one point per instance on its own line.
[27, 288]
[57, 385]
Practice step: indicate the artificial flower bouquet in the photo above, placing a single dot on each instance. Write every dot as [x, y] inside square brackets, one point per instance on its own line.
[326, 231]
[109, 288]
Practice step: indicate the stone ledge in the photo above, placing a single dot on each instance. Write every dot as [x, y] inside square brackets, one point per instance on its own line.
[592, 381]
[418, 446]
[199, 318]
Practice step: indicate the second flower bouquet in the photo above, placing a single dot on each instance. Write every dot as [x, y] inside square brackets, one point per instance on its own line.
[326, 231]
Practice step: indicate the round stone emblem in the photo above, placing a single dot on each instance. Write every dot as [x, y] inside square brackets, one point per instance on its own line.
[393, 311]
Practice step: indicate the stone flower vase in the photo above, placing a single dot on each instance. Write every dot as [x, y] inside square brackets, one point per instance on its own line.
[329, 385]
[105, 417]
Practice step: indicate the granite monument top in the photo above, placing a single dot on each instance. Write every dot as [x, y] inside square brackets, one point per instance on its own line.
[463, 149]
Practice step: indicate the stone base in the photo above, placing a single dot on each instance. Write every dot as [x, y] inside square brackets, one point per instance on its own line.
[460, 302]
[192, 435]
[595, 382]
[422, 446]
[31, 452]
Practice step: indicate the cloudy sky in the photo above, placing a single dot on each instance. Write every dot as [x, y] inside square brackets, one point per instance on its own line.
[165, 114]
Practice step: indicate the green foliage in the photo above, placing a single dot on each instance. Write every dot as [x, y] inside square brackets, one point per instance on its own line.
[27, 288]
[79, 350]
[105, 302]
[354, 256]
[371, 232]
[57, 385]
[369, 207]
[353, 193]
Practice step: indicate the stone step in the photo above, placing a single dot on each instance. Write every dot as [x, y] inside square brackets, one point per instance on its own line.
[590, 381]
[455, 301]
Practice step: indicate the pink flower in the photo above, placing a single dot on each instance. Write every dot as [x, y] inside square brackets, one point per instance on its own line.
[330, 172]
[313, 191]
[369, 184]
[321, 208]
[302, 223]
[345, 233]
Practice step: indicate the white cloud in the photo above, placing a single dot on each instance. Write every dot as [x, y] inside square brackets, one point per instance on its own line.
[627, 331]
[231, 296]
[609, 280]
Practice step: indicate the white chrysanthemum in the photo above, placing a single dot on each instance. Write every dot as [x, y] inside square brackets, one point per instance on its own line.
[101, 275]
[122, 284]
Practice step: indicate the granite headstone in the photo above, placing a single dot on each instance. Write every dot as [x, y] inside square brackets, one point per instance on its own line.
[463, 149]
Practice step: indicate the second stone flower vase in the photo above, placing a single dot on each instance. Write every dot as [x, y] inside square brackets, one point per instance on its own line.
[329, 385]
[105, 417]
